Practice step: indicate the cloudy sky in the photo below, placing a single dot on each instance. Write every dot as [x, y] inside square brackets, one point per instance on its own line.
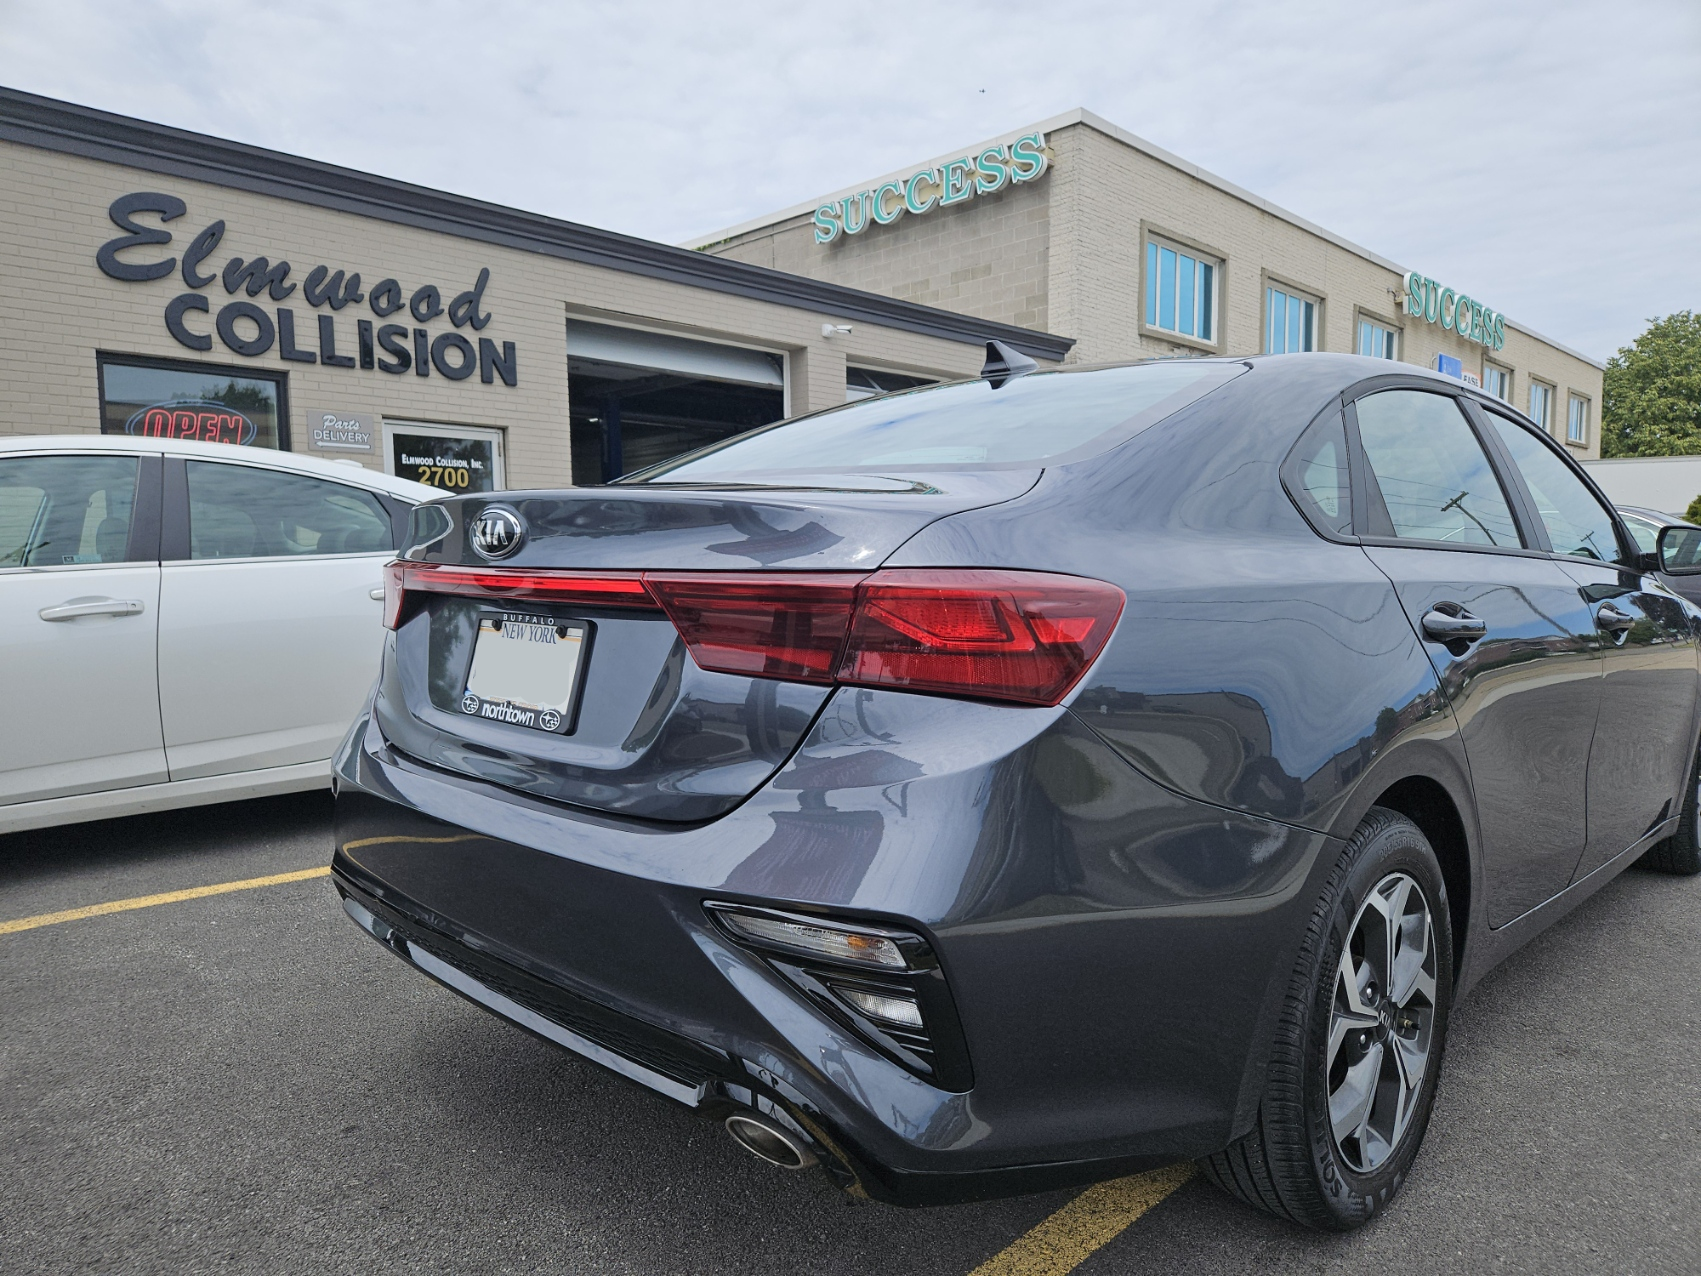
[1543, 155]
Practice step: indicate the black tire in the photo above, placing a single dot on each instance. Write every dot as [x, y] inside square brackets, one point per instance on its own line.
[1292, 1163]
[1681, 852]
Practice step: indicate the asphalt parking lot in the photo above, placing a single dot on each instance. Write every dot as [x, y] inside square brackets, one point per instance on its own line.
[243, 1082]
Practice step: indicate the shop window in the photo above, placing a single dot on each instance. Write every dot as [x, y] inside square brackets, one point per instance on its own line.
[1577, 421]
[865, 383]
[161, 399]
[1541, 405]
[456, 458]
[1290, 321]
[1376, 341]
[1181, 291]
[1497, 381]
[638, 398]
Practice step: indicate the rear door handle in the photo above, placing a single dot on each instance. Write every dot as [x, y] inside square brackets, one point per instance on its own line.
[1450, 623]
[93, 607]
[1609, 617]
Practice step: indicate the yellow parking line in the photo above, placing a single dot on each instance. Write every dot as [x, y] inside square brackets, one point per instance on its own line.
[149, 901]
[1061, 1243]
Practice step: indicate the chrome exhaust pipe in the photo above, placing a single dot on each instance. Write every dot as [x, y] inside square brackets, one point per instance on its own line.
[769, 1140]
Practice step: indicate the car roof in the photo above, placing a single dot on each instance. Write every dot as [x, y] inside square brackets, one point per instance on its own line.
[349, 471]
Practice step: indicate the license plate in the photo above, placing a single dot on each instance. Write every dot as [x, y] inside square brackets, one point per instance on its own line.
[525, 671]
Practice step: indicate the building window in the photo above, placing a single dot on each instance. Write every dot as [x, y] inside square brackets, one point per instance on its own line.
[865, 383]
[457, 458]
[157, 398]
[1577, 421]
[1290, 322]
[1497, 381]
[1181, 291]
[1377, 342]
[1541, 406]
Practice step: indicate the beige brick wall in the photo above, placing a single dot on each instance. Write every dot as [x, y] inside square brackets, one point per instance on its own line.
[1065, 254]
[61, 310]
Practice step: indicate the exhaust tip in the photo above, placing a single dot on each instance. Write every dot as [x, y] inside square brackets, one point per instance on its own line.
[763, 1138]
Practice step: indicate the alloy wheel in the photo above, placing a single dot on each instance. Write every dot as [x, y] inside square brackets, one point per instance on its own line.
[1382, 1021]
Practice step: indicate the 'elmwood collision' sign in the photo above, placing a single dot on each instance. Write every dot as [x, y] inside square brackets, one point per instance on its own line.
[949, 183]
[251, 330]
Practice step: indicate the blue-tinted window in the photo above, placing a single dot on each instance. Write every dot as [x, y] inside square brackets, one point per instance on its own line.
[1376, 341]
[1577, 423]
[1291, 323]
[1180, 292]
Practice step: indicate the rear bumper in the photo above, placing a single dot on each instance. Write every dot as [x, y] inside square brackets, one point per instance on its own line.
[1082, 917]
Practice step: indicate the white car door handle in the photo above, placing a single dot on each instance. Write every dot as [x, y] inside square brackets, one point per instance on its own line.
[376, 595]
[93, 607]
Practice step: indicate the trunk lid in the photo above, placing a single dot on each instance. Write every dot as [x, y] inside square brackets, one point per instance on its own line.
[649, 734]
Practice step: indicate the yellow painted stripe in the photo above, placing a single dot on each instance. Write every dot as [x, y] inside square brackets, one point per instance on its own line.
[1061, 1243]
[167, 897]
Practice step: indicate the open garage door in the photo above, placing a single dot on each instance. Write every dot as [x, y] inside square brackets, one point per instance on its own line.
[636, 398]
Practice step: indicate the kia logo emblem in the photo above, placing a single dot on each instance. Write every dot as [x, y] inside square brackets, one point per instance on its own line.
[497, 532]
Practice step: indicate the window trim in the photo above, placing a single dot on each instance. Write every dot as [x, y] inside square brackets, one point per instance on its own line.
[1511, 380]
[1552, 398]
[1267, 280]
[1168, 238]
[279, 378]
[1362, 314]
[1572, 397]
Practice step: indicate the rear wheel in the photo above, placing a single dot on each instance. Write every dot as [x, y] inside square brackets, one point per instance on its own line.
[1358, 1048]
[1681, 852]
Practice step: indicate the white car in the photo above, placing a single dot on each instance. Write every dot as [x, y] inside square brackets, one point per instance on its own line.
[182, 622]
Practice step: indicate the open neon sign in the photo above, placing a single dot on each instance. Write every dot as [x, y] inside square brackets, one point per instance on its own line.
[202, 421]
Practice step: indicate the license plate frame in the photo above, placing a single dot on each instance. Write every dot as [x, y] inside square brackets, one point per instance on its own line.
[506, 687]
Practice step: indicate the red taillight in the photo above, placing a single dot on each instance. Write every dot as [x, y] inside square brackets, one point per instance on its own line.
[998, 635]
[597, 589]
[1024, 636]
[765, 625]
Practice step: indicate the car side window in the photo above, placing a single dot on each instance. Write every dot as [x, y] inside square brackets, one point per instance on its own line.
[1432, 472]
[1645, 534]
[1576, 522]
[242, 511]
[1316, 473]
[56, 511]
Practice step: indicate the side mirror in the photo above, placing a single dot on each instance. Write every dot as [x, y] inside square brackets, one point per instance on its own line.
[1680, 551]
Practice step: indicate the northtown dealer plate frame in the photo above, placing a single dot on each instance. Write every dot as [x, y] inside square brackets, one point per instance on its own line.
[504, 689]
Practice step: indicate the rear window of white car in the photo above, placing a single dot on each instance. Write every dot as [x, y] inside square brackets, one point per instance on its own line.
[1029, 420]
[242, 511]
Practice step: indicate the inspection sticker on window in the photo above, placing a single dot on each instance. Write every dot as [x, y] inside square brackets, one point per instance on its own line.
[525, 670]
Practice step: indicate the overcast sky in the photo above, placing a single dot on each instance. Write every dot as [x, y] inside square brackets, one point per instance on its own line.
[1540, 155]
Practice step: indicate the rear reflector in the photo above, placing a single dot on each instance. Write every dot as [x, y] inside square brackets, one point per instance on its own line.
[999, 635]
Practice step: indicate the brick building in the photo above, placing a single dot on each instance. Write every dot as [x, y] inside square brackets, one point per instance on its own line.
[1077, 227]
[158, 280]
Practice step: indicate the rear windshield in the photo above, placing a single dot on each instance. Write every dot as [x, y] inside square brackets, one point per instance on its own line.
[1044, 416]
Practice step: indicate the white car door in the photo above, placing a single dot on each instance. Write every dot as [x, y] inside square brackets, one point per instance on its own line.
[79, 710]
[271, 618]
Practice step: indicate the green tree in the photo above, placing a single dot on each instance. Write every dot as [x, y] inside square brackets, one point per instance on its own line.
[1651, 400]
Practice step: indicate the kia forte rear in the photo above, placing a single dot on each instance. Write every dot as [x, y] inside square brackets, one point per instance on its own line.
[965, 790]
